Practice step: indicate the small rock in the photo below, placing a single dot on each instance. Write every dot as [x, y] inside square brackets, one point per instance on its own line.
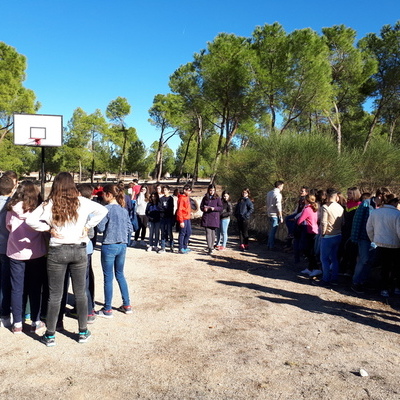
[363, 372]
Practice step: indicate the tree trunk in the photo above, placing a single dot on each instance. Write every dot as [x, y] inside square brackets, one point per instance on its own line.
[121, 165]
[198, 150]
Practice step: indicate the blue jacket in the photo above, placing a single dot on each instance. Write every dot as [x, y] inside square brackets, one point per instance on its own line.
[358, 229]
[116, 226]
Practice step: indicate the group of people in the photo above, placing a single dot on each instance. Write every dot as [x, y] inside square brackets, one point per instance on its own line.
[341, 235]
[43, 244]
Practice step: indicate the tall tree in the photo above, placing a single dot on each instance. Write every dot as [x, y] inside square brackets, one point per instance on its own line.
[308, 86]
[271, 46]
[227, 85]
[14, 97]
[351, 68]
[116, 112]
[163, 112]
[386, 81]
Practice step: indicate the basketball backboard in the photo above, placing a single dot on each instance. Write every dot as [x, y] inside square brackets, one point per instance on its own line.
[38, 130]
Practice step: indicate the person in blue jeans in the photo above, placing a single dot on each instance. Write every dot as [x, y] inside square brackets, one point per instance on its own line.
[68, 217]
[331, 236]
[117, 228]
[222, 231]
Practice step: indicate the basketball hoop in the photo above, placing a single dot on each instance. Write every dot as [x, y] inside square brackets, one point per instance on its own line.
[37, 141]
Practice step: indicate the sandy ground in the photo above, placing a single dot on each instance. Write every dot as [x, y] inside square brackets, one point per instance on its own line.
[228, 326]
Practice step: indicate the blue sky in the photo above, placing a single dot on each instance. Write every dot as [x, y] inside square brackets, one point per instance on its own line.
[85, 53]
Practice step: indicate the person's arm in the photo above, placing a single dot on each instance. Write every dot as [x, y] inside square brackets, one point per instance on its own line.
[324, 220]
[370, 227]
[97, 213]
[279, 206]
[303, 216]
[218, 208]
[39, 219]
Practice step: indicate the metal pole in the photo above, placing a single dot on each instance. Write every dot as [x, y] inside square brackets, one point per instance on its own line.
[43, 175]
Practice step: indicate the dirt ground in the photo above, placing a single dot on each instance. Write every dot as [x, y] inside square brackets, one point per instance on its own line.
[228, 326]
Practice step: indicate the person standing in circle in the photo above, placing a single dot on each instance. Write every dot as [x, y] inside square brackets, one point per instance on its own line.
[244, 208]
[117, 228]
[222, 231]
[211, 206]
[68, 217]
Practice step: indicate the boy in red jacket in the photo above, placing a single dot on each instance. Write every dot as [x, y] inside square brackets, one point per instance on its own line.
[183, 217]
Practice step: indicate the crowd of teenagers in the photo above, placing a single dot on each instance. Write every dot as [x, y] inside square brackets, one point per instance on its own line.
[350, 235]
[46, 244]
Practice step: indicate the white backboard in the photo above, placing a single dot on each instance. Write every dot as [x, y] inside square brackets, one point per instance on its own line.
[38, 130]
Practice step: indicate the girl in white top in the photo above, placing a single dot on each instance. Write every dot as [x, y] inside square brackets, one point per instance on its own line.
[68, 217]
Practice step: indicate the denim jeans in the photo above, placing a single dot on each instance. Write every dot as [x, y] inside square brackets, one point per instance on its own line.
[273, 222]
[184, 234]
[27, 278]
[222, 232]
[72, 256]
[154, 234]
[329, 257]
[365, 252]
[166, 225]
[5, 286]
[113, 260]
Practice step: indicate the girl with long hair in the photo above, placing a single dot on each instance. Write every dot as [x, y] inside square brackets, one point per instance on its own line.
[117, 228]
[153, 213]
[211, 205]
[68, 217]
[309, 215]
[222, 231]
[141, 203]
[26, 249]
[331, 236]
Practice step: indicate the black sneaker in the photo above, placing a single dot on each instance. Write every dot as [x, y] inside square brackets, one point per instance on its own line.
[84, 336]
[358, 288]
[49, 341]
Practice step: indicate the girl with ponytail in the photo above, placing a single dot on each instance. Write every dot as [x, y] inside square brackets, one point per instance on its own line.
[310, 216]
[117, 228]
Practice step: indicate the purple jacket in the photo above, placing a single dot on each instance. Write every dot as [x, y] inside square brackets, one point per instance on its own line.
[211, 219]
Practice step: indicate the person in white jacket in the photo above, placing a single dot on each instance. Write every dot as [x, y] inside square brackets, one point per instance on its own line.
[383, 228]
[68, 217]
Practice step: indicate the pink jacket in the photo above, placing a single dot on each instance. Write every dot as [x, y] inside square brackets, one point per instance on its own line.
[311, 218]
[24, 243]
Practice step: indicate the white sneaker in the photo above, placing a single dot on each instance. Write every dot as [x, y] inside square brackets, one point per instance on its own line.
[306, 271]
[160, 251]
[149, 248]
[315, 272]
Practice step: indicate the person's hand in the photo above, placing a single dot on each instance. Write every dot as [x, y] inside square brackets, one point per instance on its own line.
[182, 225]
[55, 234]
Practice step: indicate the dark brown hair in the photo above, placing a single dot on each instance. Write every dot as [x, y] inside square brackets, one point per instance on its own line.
[116, 192]
[29, 194]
